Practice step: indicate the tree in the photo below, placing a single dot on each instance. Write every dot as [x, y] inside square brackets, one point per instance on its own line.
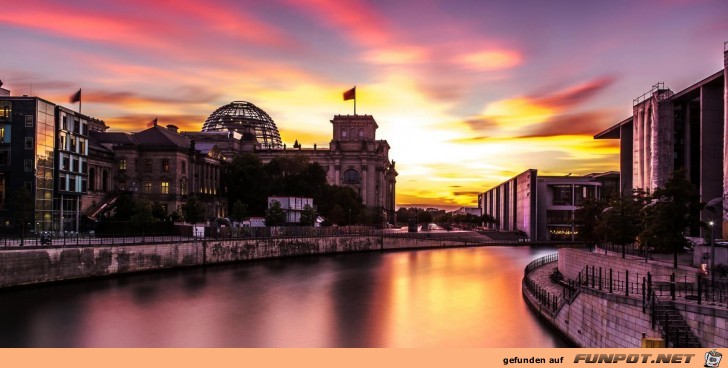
[158, 211]
[142, 213]
[337, 215]
[308, 215]
[620, 220]
[275, 216]
[21, 209]
[587, 218]
[239, 211]
[424, 217]
[673, 209]
[194, 210]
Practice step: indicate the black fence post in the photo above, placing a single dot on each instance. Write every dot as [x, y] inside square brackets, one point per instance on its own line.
[644, 300]
[592, 277]
[600, 278]
[700, 289]
[672, 286]
[626, 282]
[610, 281]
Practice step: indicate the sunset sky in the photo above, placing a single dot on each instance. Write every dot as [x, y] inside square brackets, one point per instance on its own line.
[467, 93]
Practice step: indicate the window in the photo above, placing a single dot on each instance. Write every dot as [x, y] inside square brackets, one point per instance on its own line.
[73, 144]
[62, 141]
[84, 129]
[64, 123]
[148, 165]
[65, 162]
[92, 179]
[165, 187]
[4, 158]
[122, 164]
[352, 176]
[84, 183]
[361, 133]
[74, 166]
[72, 184]
[82, 146]
[84, 167]
[147, 188]
[184, 167]
[76, 126]
[558, 217]
[4, 110]
[343, 133]
[29, 143]
[562, 195]
[183, 186]
[165, 166]
[2, 134]
[28, 121]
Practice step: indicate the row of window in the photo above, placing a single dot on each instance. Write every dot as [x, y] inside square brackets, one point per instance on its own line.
[70, 163]
[351, 133]
[72, 143]
[70, 124]
[148, 165]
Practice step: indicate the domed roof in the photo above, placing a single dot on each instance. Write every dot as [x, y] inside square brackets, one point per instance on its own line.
[246, 119]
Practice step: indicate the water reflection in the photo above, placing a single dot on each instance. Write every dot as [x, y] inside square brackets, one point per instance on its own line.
[451, 297]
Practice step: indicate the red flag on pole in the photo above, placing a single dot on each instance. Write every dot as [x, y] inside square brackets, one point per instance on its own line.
[350, 94]
[152, 123]
[76, 97]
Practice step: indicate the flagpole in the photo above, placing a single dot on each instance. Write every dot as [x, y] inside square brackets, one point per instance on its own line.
[354, 100]
[79, 101]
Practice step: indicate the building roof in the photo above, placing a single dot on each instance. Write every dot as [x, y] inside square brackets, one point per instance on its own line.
[114, 138]
[159, 137]
[613, 131]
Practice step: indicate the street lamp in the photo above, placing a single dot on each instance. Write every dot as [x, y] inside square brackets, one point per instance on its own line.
[712, 204]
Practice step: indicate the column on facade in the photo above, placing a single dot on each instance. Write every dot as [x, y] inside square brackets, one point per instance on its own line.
[637, 147]
[364, 184]
[646, 146]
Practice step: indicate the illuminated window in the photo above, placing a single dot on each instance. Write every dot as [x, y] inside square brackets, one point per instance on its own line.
[122, 164]
[4, 110]
[147, 187]
[165, 187]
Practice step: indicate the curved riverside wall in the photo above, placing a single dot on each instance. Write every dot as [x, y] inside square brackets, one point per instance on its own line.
[601, 319]
[33, 266]
[598, 321]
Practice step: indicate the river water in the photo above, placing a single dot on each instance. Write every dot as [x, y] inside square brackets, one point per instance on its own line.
[461, 297]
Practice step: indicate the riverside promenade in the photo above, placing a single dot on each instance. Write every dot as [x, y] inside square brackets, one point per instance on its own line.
[607, 301]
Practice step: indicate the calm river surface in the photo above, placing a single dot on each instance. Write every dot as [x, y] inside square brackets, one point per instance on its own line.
[466, 297]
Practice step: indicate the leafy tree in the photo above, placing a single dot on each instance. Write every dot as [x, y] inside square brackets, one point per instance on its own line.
[424, 217]
[337, 215]
[21, 209]
[673, 210]
[194, 210]
[142, 213]
[275, 216]
[244, 179]
[621, 220]
[587, 219]
[158, 211]
[308, 216]
[239, 211]
[124, 207]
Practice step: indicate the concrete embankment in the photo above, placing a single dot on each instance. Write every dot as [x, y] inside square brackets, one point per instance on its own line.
[32, 266]
[593, 314]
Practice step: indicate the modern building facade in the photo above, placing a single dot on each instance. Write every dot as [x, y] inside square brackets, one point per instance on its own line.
[292, 206]
[669, 131]
[542, 207]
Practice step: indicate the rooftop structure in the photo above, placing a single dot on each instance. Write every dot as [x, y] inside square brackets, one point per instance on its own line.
[247, 119]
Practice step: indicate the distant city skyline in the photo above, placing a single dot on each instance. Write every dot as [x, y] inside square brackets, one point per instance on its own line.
[468, 94]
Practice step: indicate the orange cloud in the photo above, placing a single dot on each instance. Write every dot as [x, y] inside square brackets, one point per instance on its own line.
[135, 123]
[490, 60]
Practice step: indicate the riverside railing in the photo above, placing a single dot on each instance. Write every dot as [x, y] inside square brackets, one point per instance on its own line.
[549, 300]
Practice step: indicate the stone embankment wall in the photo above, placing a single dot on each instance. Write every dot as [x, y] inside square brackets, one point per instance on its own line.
[597, 318]
[32, 266]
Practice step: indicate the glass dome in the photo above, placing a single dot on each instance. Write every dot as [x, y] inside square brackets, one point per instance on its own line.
[246, 119]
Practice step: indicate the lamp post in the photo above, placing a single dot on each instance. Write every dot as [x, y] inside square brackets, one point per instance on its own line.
[712, 251]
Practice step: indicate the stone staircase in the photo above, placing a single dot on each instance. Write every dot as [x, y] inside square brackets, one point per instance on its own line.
[675, 330]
